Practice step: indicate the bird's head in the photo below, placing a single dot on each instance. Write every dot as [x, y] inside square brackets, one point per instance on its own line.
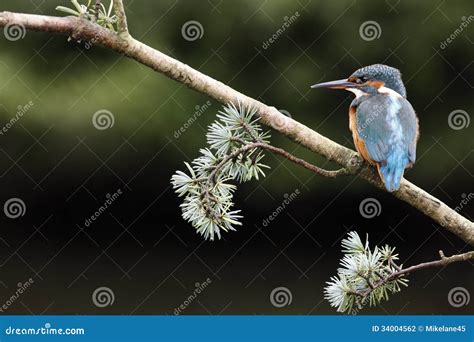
[369, 79]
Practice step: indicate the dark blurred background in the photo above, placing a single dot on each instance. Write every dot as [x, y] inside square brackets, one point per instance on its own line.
[62, 167]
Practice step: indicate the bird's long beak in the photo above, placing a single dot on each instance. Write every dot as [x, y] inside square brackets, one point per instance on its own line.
[339, 84]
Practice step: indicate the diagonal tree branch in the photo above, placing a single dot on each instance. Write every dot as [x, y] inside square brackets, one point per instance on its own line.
[82, 29]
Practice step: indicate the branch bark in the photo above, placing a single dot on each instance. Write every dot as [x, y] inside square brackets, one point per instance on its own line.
[125, 44]
[122, 24]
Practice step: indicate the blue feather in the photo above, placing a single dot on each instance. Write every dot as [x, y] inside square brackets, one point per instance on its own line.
[392, 170]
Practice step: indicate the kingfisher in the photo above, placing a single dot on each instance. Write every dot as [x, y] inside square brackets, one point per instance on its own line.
[383, 123]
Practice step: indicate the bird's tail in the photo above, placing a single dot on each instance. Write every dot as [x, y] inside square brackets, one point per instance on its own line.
[392, 171]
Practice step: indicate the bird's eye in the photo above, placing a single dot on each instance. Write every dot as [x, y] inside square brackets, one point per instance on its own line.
[362, 79]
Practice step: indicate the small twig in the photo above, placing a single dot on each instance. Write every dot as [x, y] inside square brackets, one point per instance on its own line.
[96, 9]
[248, 129]
[306, 165]
[393, 264]
[121, 18]
[211, 181]
[443, 261]
[281, 152]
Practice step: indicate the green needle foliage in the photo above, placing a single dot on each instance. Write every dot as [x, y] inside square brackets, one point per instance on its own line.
[365, 276]
[102, 16]
[232, 155]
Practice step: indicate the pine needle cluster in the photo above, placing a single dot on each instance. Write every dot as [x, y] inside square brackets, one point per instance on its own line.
[232, 155]
[93, 12]
[365, 276]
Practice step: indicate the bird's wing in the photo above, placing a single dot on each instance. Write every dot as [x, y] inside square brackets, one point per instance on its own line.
[409, 123]
[373, 128]
[384, 123]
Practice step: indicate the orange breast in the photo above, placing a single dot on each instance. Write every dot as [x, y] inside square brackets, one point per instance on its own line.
[358, 142]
